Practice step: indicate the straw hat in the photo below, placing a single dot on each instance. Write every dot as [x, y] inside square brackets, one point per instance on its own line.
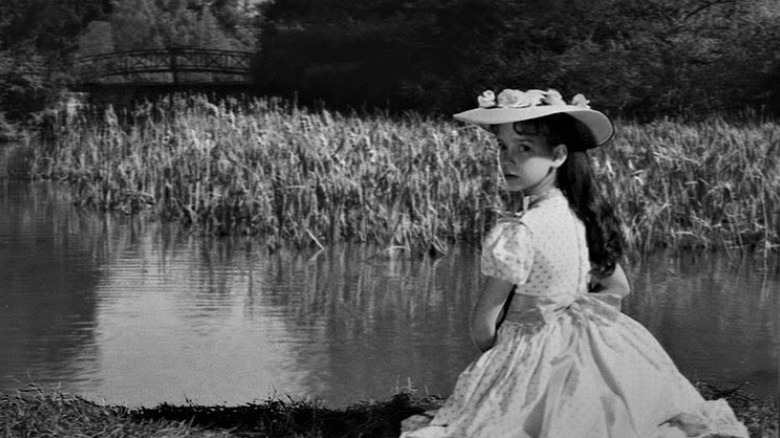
[517, 106]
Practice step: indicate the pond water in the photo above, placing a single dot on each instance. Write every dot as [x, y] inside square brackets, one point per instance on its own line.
[140, 314]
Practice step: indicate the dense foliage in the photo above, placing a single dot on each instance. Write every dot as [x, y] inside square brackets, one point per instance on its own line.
[36, 39]
[40, 39]
[633, 59]
[645, 59]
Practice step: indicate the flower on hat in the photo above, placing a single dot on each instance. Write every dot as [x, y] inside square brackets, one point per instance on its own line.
[579, 100]
[510, 98]
[553, 97]
[519, 99]
[487, 99]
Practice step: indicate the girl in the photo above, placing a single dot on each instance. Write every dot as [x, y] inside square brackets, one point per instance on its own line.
[559, 359]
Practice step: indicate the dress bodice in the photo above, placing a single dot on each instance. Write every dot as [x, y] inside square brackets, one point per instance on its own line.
[544, 252]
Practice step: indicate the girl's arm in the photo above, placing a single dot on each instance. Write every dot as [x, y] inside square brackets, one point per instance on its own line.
[612, 288]
[487, 311]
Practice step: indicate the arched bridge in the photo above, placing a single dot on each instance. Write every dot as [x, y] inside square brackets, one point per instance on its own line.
[146, 66]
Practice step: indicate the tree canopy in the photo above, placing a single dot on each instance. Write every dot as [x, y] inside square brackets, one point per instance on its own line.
[641, 59]
[39, 39]
[634, 59]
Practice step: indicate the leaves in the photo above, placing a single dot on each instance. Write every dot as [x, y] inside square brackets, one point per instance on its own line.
[636, 59]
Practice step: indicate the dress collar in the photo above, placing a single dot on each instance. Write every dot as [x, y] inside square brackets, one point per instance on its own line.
[531, 201]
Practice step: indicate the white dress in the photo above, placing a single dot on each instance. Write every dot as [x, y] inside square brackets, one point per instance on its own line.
[566, 363]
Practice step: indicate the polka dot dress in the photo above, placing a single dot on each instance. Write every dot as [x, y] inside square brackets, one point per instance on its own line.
[566, 363]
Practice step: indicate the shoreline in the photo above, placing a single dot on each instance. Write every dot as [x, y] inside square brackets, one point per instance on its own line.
[37, 413]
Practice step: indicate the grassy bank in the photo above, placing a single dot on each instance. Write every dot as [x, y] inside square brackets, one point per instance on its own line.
[313, 177]
[35, 413]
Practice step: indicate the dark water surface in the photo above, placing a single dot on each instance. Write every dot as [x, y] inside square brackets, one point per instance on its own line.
[141, 314]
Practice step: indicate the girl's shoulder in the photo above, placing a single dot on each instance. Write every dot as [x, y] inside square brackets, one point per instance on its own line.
[546, 213]
[537, 217]
[507, 251]
[525, 221]
[508, 231]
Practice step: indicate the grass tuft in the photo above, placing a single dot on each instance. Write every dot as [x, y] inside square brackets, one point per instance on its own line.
[34, 413]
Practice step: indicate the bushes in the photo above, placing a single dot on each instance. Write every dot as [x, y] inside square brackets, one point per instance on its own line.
[636, 59]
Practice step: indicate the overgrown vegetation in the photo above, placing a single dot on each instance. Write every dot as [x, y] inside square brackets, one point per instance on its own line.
[636, 59]
[40, 41]
[34, 413]
[639, 60]
[313, 177]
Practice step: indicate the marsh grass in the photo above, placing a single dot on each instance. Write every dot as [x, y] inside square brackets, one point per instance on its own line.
[35, 413]
[312, 177]
[709, 184]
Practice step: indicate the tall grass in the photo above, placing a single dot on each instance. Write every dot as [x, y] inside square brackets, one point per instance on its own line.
[709, 184]
[35, 413]
[313, 177]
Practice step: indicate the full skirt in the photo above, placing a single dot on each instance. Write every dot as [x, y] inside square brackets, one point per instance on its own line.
[585, 371]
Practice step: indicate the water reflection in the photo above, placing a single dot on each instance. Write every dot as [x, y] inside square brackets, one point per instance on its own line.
[379, 324]
[144, 313]
[47, 279]
[718, 317]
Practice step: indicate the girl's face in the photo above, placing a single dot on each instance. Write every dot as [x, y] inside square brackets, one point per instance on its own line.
[527, 161]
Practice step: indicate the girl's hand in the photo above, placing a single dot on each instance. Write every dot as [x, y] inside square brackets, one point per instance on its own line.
[612, 288]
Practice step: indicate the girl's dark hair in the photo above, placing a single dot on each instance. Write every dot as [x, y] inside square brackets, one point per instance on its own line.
[578, 183]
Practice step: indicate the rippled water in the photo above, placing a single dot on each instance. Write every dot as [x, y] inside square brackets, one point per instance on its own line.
[141, 314]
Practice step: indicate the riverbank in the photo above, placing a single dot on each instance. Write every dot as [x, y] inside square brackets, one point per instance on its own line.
[312, 177]
[35, 413]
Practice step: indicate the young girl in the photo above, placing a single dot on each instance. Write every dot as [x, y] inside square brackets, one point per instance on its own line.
[559, 359]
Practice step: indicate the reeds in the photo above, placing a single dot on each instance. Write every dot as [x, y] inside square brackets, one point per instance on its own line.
[314, 177]
[710, 184]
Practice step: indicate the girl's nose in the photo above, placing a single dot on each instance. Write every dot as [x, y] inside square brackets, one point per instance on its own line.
[504, 157]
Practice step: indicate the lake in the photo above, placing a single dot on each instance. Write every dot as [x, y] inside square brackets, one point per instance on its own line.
[138, 313]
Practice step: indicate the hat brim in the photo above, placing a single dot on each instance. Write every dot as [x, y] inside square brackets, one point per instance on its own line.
[598, 124]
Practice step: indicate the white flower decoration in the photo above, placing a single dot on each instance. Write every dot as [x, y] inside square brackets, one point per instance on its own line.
[487, 99]
[580, 101]
[553, 97]
[535, 97]
[511, 98]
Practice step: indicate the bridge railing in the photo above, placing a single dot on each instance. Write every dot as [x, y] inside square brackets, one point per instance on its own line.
[173, 60]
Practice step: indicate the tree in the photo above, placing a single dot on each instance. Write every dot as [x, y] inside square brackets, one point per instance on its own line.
[37, 40]
[637, 59]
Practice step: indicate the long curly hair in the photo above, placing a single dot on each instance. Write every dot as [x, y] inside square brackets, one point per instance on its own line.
[577, 182]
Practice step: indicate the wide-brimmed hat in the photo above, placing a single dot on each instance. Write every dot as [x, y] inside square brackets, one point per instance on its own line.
[517, 106]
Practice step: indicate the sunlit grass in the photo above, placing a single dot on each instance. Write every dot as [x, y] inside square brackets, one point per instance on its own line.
[36, 413]
[710, 184]
[314, 177]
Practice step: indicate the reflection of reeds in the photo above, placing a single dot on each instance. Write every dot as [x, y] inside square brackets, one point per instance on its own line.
[316, 176]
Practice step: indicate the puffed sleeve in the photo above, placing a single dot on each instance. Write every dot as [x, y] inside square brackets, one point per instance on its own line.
[507, 252]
